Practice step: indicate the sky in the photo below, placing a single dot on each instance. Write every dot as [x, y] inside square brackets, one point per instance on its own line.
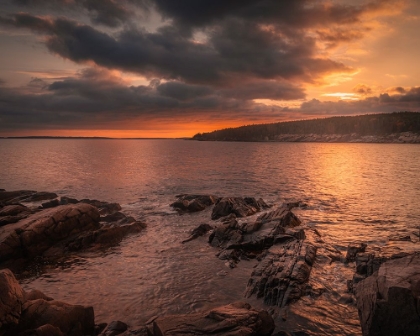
[165, 68]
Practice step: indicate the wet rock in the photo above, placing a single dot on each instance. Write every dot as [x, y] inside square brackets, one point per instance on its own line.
[193, 203]
[14, 210]
[50, 204]
[67, 200]
[39, 196]
[52, 231]
[388, 301]
[234, 319]
[10, 214]
[116, 216]
[199, 231]
[32, 236]
[114, 328]
[281, 276]
[70, 319]
[353, 250]
[11, 299]
[13, 197]
[105, 236]
[241, 207]
[35, 295]
[44, 330]
[104, 208]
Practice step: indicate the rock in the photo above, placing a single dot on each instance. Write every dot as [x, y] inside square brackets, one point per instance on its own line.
[281, 276]
[11, 299]
[9, 197]
[35, 295]
[14, 210]
[105, 236]
[50, 204]
[67, 200]
[116, 216]
[388, 301]
[104, 208]
[353, 250]
[199, 231]
[39, 196]
[234, 319]
[44, 330]
[241, 207]
[193, 203]
[32, 236]
[114, 328]
[72, 320]
[10, 214]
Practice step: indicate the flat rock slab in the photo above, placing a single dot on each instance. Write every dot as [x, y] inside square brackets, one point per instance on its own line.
[389, 300]
[234, 319]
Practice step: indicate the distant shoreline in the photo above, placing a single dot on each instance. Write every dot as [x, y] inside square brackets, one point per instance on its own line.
[84, 138]
[399, 138]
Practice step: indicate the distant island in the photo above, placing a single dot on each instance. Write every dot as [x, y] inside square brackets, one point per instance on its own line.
[396, 127]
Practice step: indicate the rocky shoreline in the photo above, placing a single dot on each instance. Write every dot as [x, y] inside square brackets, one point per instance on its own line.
[404, 137]
[401, 138]
[40, 226]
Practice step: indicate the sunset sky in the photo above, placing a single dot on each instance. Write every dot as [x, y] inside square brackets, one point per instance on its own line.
[165, 68]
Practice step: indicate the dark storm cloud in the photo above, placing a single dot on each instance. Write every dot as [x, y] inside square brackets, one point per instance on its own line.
[234, 51]
[106, 12]
[212, 57]
[301, 13]
[98, 97]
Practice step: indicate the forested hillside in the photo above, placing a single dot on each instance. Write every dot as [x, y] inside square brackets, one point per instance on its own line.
[365, 125]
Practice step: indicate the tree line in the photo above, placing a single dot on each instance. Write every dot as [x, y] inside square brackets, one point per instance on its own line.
[369, 124]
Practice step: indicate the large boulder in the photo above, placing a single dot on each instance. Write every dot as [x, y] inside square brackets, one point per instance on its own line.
[388, 301]
[234, 319]
[32, 236]
[11, 299]
[241, 207]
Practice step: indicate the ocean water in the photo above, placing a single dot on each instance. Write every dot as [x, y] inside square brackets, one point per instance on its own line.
[353, 192]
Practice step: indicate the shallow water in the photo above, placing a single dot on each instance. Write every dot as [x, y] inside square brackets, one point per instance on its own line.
[353, 192]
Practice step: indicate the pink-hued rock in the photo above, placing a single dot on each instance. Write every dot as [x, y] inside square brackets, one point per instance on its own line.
[33, 235]
[11, 299]
[389, 300]
[72, 320]
[234, 319]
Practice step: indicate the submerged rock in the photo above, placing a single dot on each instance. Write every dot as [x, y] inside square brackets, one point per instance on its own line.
[199, 231]
[193, 203]
[388, 301]
[241, 207]
[234, 319]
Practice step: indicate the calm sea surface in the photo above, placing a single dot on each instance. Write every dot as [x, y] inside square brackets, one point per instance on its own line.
[354, 192]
